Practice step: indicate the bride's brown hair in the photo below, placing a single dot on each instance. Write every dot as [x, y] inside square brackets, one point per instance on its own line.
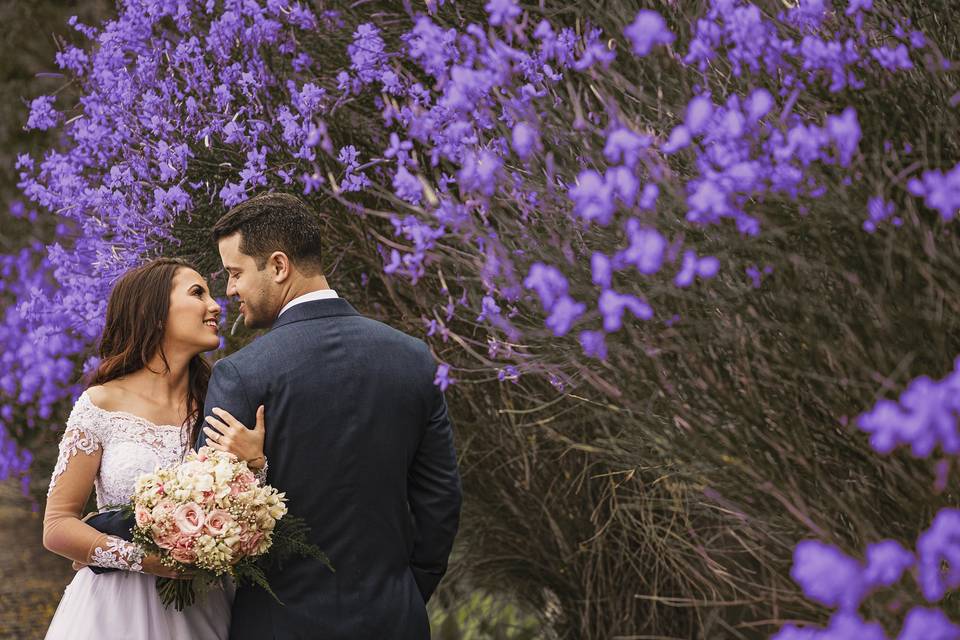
[136, 314]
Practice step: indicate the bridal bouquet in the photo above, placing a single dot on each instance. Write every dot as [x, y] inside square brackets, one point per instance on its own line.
[209, 516]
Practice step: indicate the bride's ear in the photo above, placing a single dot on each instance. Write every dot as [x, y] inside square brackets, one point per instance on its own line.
[279, 265]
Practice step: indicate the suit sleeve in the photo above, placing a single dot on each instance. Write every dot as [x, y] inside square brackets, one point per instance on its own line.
[226, 392]
[433, 489]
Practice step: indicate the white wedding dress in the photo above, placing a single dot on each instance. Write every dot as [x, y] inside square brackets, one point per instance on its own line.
[108, 450]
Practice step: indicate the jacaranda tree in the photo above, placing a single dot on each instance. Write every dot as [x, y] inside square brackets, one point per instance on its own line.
[671, 257]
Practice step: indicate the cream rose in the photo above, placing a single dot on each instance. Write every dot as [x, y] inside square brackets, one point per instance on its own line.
[189, 518]
[218, 521]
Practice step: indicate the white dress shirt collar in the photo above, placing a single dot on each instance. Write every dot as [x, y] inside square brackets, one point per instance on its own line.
[321, 294]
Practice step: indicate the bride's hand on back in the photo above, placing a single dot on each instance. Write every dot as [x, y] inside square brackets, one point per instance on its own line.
[226, 433]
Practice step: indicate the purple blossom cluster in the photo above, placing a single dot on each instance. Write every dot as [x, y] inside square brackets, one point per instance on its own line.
[38, 362]
[156, 100]
[227, 102]
[923, 418]
[832, 578]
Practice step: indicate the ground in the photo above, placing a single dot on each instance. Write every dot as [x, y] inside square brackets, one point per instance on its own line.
[34, 577]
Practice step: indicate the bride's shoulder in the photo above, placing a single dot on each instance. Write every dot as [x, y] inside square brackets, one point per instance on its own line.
[105, 396]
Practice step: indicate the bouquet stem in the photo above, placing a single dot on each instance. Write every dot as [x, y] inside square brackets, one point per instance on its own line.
[180, 593]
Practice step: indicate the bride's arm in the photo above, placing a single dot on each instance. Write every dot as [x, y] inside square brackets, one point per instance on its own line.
[64, 533]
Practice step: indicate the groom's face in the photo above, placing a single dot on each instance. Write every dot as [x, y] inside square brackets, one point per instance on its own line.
[257, 292]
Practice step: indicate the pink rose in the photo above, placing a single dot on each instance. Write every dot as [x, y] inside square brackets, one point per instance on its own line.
[166, 538]
[189, 519]
[143, 516]
[217, 522]
[184, 555]
[249, 544]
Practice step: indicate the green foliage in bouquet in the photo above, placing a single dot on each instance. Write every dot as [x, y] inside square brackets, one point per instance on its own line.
[289, 543]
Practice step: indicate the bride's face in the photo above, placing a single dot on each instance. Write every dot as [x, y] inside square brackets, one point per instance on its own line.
[193, 316]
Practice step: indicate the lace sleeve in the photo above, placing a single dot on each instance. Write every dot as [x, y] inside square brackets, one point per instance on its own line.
[261, 474]
[118, 554]
[74, 441]
[70, 486]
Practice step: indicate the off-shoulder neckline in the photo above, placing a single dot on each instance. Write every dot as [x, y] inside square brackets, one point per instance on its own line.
[132, 416]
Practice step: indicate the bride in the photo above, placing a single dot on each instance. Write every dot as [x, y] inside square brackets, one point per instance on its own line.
[142, 411]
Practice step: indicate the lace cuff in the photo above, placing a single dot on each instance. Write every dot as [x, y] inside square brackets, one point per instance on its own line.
[261, 475]
[118, 554]
[73, 440]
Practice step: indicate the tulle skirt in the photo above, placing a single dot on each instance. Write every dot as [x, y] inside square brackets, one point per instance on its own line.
[125, 605]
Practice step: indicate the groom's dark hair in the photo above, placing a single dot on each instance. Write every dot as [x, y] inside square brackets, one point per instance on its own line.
[275, 222]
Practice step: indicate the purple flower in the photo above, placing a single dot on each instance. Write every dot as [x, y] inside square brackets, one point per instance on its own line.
[827, 575]
[625, 146]
[623, 184]
[592, 198]
[939, 191]
[524, 139]
[878, 210]
[692, 266]
[564, 313]
[856, 6]
[547, 282]
[42, 114]
[648, 197]
[348, 156]
[924, 417]
[886, 562]
[233, 193]
[613, 304]
[645, 250]
[488, 309]
[921, 623]
[756, 275]
[594, 344]
[480, 172]
[938, 555]
[367, 53]
[699, 112]
[679, 139]
[646, 31]
[844, 131]
[510, 373]
[502, 11]
[311, 182]
[443, 379]
[792, 632]
[407, 186]
[759, 104]
[893, 59]
[602, 269]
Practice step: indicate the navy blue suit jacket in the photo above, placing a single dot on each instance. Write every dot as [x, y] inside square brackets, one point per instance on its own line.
[358, 437]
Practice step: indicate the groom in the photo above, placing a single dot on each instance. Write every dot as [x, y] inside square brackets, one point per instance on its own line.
[357, 436]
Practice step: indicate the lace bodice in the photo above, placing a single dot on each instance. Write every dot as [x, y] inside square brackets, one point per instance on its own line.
[130, 445]
[107, 450]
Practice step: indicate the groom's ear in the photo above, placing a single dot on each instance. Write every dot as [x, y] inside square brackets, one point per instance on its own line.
[279, 265]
